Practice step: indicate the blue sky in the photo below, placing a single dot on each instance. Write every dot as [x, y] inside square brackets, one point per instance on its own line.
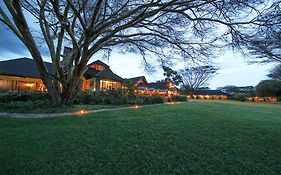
[233, 68]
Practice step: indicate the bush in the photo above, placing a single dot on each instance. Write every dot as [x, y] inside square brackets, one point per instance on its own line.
[241, 96]
[84, 97]
[22, 96]
[177, 98]
[109, 97]
[34, 106]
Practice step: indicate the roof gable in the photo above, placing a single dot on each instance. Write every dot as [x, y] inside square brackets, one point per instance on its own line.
[137, 80]
[108, 74]
[99, 62]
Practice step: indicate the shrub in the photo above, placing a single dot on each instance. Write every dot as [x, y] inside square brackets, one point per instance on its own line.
[24, 106]
[241, 96]
[83, 97]
[22, 96]
[177, 98]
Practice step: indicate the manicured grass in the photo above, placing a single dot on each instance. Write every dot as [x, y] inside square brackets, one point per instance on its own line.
[200, 137]
[46, 107]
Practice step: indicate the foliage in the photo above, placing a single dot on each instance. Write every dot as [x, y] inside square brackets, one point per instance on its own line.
[233, 90]
[264, 40]
[275, 73]
[171, 75]
[110, 97]
[170, 29]
[195, 77]
[178, 98]
[84, 97]
[241, 96]
[7, 97]
[189, 138]
[269, 88]
[118, 97]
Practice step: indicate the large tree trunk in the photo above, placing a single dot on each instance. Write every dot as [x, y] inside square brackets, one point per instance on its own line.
[54, 93]
[70, 92]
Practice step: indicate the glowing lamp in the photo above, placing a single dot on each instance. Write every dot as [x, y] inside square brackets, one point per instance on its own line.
[81, 112]
[136, 106]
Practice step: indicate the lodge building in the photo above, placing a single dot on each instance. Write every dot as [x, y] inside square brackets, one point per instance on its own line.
[21, 75]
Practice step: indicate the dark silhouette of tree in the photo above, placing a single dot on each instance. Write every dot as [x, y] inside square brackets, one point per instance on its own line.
[233, 90]
[264, 40]
[195, 77]
[168, 29]
[275, 73]
[171, 75]
[269, 88]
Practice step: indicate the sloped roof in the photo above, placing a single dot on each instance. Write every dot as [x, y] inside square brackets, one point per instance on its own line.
[26, 67]
[99, 62]
[209, 92]
[107, 74]
[22, 67]
[90, 73]
[135, 80]
[160, 86]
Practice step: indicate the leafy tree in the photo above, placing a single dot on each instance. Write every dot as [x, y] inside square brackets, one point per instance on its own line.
[269, 88]
[169, 29]
[195, 77]
[275, 73]
[233, 90]
[171, 75]
[265, 43]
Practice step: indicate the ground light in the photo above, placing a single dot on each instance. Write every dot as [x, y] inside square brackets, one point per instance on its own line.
[136, 106]
[81, 112]
[172, 103]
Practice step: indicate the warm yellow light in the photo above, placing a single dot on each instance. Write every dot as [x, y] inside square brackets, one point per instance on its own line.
[81, 112]
[136, 106]
[28, 84]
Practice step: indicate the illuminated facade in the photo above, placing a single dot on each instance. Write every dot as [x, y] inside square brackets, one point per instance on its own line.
[21, 75]
[100, 77]
[209, 94]
[157, 88]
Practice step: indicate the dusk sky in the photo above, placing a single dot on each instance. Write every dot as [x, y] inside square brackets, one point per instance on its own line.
[233, 69]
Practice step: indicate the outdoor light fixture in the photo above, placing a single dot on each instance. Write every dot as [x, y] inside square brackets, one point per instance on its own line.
[136, 106]
[81, 112]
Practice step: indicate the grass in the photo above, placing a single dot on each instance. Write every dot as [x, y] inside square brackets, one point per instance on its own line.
[45, 107]
[200, 137]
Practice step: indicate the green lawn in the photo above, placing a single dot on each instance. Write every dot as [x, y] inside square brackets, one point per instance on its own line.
[199, 137]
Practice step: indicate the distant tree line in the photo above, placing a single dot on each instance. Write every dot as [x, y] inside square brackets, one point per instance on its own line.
[190, 78]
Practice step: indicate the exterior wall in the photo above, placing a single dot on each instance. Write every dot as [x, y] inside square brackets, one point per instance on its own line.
[103, 84]
[156, 92]
[217, 97]
[262, 99]
[18, 84]
[110, 85]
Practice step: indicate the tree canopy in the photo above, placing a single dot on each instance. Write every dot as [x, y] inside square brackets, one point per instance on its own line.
[264, 39]
[269, 88]
[169, 29]
[171, 75]
[195, 77]
[275, 73]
